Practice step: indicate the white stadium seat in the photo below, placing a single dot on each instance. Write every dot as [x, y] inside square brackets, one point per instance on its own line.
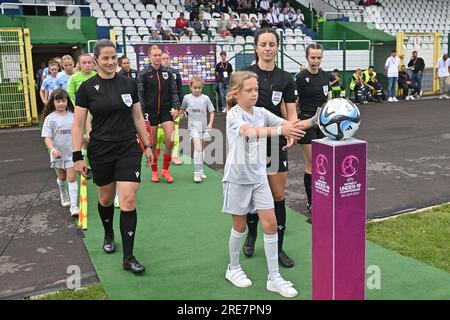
[102, 22]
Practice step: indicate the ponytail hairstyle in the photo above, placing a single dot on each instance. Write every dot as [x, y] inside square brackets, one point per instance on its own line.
[57, 94]
[236, 82]
[262, 31]
[314, 46]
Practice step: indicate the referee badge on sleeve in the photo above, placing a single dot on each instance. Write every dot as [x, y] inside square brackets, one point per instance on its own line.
[325, 90]
[276, 97]
[126, 98]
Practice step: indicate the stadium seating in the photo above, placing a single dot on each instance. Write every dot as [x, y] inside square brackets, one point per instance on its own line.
[403, 15]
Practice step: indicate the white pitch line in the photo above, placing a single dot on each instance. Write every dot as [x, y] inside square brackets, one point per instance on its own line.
[11, 160]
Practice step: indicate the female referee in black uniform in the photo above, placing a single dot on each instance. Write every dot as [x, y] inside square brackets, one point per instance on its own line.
[276, 91]
[158, 93]
[113, 151]
[312, 88]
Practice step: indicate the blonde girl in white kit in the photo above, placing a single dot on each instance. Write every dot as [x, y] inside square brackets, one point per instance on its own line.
[245, 185]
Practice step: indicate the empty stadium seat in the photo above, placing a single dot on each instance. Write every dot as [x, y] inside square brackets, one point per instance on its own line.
[122, 14]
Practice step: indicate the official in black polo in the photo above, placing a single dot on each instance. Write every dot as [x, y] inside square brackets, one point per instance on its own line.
[113, 151]
[223, 74]
[312, 87]
[125, 68]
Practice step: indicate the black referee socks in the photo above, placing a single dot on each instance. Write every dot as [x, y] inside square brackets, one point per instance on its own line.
[280, 214]
[307, 182]
[106, 214]
[128, 221]
[252, 223]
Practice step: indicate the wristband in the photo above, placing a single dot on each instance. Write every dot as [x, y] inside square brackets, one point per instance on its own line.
[279, 130]
[77, 156]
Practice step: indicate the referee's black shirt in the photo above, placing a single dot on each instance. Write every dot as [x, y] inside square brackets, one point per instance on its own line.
[274, 86]
[110, 102]
[312, 90]
[132, 74]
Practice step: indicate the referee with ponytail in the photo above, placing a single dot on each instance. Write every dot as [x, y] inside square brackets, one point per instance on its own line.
[312, 87]
[113, 151]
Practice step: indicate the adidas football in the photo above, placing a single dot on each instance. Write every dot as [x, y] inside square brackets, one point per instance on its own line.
[339, 119]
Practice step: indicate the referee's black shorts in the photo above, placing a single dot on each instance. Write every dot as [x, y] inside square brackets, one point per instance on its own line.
[311, 133]
[277, 158]
[115, 161]
[157, 118]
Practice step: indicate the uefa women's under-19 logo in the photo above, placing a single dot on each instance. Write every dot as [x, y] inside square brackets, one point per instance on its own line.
[349, 166]
[321, 164]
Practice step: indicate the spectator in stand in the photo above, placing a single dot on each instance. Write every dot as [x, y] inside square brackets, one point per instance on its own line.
[233, 4]
[244, 6]
[168, 35]
[201, 26]
[223, 26]
[404, 82]
[233, 23]
[299, 19]
[159, 24]
[277, 8]
[181, 24]
[289, 8]
[265, 22]
[190, 5]
[193, 16]
[264, 6]
[417, 65]
[215, 6]
[204, 6]
[245, 24]
[369, 3]
[154, 36]
[272, 18]
[223, 4]
[255, 25]
[283, 19]
[255, 6]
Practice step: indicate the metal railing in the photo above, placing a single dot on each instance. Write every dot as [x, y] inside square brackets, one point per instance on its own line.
[51, 7]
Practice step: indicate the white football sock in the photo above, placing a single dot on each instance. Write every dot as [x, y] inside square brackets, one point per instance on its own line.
[61, 185]
[235, 248]
[198, 161]
[73, 193]
[271, 250]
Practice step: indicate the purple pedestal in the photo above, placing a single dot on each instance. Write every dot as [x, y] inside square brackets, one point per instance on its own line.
[339, 219]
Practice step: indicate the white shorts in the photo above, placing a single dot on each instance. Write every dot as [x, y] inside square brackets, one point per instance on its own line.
[202, 134]
[240, 199]
[61, 164]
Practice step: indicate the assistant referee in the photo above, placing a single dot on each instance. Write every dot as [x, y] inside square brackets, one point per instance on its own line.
[312, 88]
[113, 151]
